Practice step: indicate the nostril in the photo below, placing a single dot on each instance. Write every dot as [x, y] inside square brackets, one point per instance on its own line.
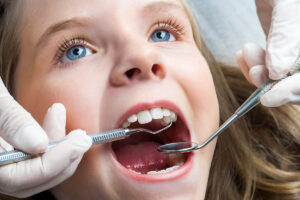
[132, 72]
[158, 71]
[138, 73]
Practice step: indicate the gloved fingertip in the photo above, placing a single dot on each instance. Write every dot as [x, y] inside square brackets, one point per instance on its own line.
[81, 139]
[75, 133]
[272, 99]
[276, 74]
[58, 107]
[32, 139]
[55, 122]
[239, 54]
[60, 112]
[265, 101]
[250, 46]
[258, 75]
[253, 54]
[80, 143]
[278, 65]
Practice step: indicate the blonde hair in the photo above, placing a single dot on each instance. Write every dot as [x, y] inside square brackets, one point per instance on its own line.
[256, 158]
[9, 40]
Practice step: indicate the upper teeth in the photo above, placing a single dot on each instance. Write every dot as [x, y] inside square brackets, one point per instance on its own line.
[146, 116]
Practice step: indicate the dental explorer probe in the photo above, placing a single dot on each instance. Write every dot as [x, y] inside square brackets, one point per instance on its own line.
[97, 138]
[251, 102]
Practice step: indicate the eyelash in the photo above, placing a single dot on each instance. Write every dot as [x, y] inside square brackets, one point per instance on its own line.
[66, 45]
[170, 24]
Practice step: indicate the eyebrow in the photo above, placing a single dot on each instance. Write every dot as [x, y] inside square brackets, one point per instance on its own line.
[158, 6]
[70, 23]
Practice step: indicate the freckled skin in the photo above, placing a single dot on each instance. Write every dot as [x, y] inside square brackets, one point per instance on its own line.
[96, 91]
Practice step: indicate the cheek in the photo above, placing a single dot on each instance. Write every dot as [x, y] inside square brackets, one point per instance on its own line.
[196, 79]
[79, 91]
[81, 102]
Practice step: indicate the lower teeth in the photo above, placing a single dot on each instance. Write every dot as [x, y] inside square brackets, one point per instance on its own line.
[165, 170]
[160, 171]
[135, 171]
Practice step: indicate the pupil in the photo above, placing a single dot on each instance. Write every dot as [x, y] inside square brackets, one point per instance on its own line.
[159, 35]
[76, 51]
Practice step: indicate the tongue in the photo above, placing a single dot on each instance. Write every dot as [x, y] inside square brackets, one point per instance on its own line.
[142, 157]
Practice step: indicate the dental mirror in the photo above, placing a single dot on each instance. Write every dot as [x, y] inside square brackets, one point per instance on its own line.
[178, 147]
[251, 102]
[183, 147]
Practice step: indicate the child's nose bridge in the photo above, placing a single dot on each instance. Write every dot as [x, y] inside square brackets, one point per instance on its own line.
[138, 59]
[140, 54]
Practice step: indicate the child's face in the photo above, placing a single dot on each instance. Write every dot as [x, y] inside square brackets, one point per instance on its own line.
[117, 58]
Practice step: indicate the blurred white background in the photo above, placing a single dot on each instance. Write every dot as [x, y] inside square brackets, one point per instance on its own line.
[226, 25]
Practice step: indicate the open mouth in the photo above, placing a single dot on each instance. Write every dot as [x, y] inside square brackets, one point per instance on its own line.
[138, 153]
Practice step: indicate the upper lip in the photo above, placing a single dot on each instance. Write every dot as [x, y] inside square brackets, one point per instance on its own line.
[146, 105]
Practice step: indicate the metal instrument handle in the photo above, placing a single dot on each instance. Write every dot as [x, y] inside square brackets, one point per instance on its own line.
[97, 138]
[251, 102]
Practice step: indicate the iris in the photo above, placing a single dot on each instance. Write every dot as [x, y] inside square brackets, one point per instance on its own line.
[161, 36]
[76, 52]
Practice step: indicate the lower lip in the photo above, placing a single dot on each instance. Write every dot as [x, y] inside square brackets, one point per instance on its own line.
[168, 176]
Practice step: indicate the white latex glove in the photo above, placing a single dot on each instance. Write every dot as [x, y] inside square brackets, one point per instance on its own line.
[251, 60]
[280, 20]
[19, 130]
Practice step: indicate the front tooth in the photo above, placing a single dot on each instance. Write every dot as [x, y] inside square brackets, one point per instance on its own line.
[132, 118]
[144, 117]
[173, 117]
[166, 112]
[156, 113]
[165, 121]
[126, 124]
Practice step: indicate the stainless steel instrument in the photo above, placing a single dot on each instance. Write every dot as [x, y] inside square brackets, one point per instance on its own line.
[98, 138]
[251, 102]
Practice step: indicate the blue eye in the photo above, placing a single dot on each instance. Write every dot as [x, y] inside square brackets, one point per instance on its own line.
[75, 53]
[162, 36]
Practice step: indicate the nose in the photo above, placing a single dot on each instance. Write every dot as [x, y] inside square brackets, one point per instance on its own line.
[137, 61]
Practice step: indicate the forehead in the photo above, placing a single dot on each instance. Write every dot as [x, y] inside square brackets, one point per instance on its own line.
[40, 15]
[55, 9]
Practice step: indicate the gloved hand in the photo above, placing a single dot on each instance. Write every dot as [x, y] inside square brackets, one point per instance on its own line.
[19, 130]
[280, 20]
[251, 60]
